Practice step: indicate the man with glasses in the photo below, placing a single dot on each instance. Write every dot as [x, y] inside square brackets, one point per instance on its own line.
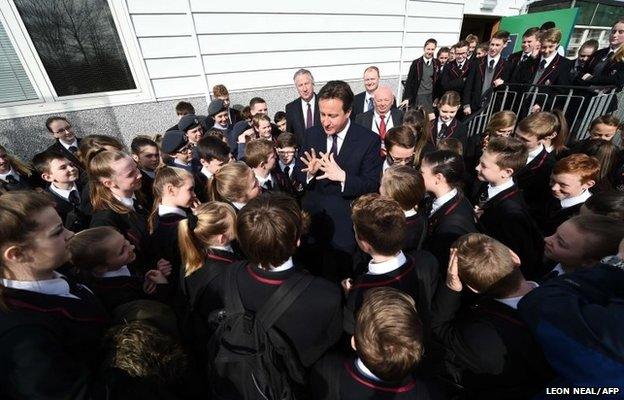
[66, 141]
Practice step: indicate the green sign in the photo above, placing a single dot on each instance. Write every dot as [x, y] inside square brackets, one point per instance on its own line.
[564, 20]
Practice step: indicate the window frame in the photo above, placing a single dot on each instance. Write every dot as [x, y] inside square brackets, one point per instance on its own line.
[49, 101]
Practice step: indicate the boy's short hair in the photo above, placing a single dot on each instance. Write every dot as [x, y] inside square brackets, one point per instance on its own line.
[55, 118]
[144, 351]
[286, 139]
[585, 167]
[431, 40]
[502, 35]
[41, 162]
[220, 91]
[255, 120]
[213, 132]
[379, 221]
[388, 333]
[451, 144]
[256, 100]
[602, 235]
[139, 142]
[533, 31]
[258, 151]
[211, 147]
[462, 43]
[510, 152]
[279, 116]
[443, 50]
[540, 124]
[551, 35]
[246, 113]
[405, 185]
[484, 46]
[486, 265]
[184, 108]
[268, 229]
[402, 136]
[608, 120]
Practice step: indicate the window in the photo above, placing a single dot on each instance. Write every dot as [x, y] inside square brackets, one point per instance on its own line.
[78, 45]
[14, 83]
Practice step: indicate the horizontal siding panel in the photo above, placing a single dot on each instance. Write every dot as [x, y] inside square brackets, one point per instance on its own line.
[433, 26]
[168, 67]
[161, 25]
[418, 39]
[434, 9]
[177, 46]
[216, 44]
[264, 23]
[297, 59]
[179, 87]
[156, 6]
[290, 6]
[259, 79]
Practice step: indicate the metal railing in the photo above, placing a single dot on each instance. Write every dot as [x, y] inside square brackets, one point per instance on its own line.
[579, 104]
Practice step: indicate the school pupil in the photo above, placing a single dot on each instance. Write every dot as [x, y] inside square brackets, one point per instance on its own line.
[451, 144]
[92, 144]
[389, 344]
[261, 128]
[501, 123]
[261, 157]
[213, 153]
[405, 185]
[418, 121]
[380, 231]
[174, 196]
[14, 174]
[50, 326]
[450, 214]
[61, 176]
[500, 207]
[581, 242]
[609, 203]
[102, 258]
[65, 140]
[533, 179]
[235, 184]
[178, 149]
[400, 145]
[493, 351]
[280, 121]
[146, 154]
[218, 115]
[604, 127]
[570, 183]
[268, 230]
[445, 125]
[114, 183]
[287, 152]
[555, 143]
[610, 160]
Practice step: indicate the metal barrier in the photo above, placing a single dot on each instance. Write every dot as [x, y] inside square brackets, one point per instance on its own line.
[579, 104]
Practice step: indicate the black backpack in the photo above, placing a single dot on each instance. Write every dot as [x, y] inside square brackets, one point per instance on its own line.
[248, 358]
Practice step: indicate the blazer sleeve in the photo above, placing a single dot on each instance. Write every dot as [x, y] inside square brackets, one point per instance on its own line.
[616, 79]
[35, 365]
[475, 344]
[408, 93]
[367, 180]
[468, 87]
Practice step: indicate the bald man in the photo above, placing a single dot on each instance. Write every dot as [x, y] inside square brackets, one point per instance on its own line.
[383, 116]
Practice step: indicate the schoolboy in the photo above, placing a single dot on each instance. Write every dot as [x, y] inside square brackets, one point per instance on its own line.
[193, 127]
[604, 127]
[502, 211]
[218, 116]
[380, 231]
[146, 154]
[213, 153]
[422, 78]
[61, 175]
[287, 151]
[280, 120]
[400, 144]
[388, 341]
[176, 145]
[261, 158]
[571, 179]
[66, 141]
[491, 348]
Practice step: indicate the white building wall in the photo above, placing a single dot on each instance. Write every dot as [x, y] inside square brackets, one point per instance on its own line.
[189, 46]
[499, 8]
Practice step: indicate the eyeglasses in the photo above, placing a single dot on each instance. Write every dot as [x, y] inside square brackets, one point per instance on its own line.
[287, 152]
[187, 147]
[399, 161]
[62, 130]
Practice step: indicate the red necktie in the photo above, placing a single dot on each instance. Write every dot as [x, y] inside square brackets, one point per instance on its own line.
[382, 127]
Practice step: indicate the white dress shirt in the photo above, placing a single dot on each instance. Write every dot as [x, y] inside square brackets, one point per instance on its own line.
[496, 59]
[304, 109]
[365, 371]
[548, 59]
[572, 201]
[126, 201]
[368, 96]
[513, 301]
[57, 286]
[386, 266]
[10, 173]
[291, 165]
[263, 180]
[64, 193]
[164, 210]
[440, 201]
[377, 122]
[494, 190]
[67, 146]
[122, 271]
[288, 264]
[534, 153]
[206, 172]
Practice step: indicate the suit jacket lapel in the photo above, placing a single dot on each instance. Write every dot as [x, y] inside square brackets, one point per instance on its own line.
[551, 68]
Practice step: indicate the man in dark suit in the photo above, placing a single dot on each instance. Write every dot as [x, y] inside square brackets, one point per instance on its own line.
[487, 72]
[66, 141]
[363, 102]
[422, 78]
[382, 118]
[302, 113]
[342, 162]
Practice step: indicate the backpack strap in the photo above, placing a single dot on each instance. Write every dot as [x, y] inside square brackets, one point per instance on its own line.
[282, 299]
[232, 299]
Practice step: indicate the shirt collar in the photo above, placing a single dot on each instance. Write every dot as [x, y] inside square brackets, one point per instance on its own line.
[163, 210]
[291, 165]
[123, 271]
[494, 190]
[206, 172]
[263, 180]
[288, 264]
[67, 146]
[219, 127]
[572, 201]
[238, 205]
[385, 166]
[513, 301]
[427, 60]
[305, 103]
[64, 193]
[151, 174]
[341, 135]
[365, 371]
[410, 213]
[178, 162]
[534, 153]
[126, 201]
[549, 58]
[440, 201]
[387, 266]
[10, 173]
[227, 247]
[57, 286]
[493, 58]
